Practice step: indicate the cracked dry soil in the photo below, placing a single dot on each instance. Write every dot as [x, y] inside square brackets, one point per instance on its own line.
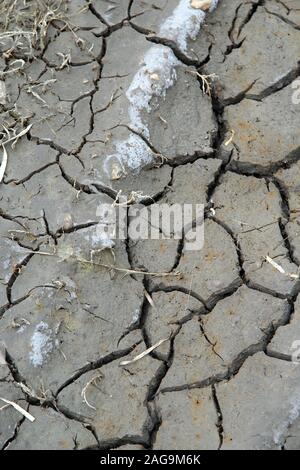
[225, 379]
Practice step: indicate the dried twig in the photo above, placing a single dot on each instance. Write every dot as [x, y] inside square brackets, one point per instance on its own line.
[19, 409]
[280, 268]
[205, 80]
[16, 137]
[110, 267]
[3, 163]
[149, 298]
[134, 196]
[230, 138]
[145, 353]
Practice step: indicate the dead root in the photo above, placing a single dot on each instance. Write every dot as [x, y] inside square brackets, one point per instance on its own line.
[205, 80]
[94, 381]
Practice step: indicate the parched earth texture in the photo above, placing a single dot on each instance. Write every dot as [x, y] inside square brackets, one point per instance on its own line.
[225, 378]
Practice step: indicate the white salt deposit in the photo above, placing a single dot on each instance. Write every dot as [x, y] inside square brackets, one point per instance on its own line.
[281, 431]
[156, 75]
[41, 344]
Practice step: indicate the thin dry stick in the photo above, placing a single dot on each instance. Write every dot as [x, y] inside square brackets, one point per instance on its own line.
[134, 197]
[4, 407]
[15, 138]
[19, 409]
[149, 298]
[3, 164]
[145, 353]
[230, 138]
[280, 268]
[110, 267]
[126, 270]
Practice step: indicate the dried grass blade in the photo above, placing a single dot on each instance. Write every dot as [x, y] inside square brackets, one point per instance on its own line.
[3, 163]
[145, 353]
[280, 268]
[19, 409]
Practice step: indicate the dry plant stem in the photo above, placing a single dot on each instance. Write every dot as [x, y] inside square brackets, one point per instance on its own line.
[230, 138]
[149, 298]
[15, 138]
[280, 268]
[206, 79]
[145, 353]
[19, 409]
[85, 388]
[32, 23]
[3, 164]
[134, 197]
[110, 267]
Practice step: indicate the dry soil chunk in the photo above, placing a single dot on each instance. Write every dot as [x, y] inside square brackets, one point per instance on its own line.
[10, 418]
[287, 11]
[210, 270]
[260, 403]
[125, 386]
[266, 131]
[242, 321]
[194, 413]
[286, 338]
[110, 11]
[207, 346]
[147, 183]
[26, 159]
[191, 182]
[190, 125]
[52, 196]
[194, 358]
[151, 14]
[152, 255]
[264, 57]
[82, 17]
[81, 47]
[189, 185]
[289, 179]
[220, 32]
[251, 210]
[3, 297]
[76, 318]
[51, 431]
[167, 311]
[292, 441]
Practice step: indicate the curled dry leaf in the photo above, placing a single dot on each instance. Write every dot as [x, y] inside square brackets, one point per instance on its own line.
[201, 4]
